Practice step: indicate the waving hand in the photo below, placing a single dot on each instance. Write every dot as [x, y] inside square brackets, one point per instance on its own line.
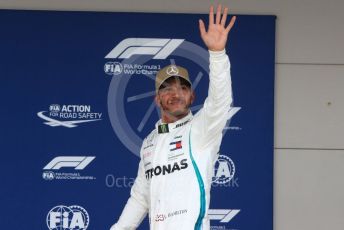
[215, 38]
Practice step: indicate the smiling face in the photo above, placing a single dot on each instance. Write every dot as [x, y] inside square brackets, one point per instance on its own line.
[174, 98]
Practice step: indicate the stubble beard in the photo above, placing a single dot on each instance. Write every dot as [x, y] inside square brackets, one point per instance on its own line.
[176, 114]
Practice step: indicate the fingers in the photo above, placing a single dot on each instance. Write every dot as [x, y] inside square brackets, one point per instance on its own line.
[218, 14]
[202, 28]
[211, 15]
[224, 17]
[231, 24]
[218, 19]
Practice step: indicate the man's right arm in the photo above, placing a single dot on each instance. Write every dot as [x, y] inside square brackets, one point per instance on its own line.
[137, 205]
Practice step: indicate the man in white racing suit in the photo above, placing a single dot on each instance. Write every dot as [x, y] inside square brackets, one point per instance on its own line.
[177, 158]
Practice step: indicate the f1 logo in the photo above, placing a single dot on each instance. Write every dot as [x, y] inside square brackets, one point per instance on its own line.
[161, 48]
[77, 163]
[223, 215]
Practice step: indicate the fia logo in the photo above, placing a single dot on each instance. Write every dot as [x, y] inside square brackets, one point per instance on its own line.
[55, 108]
[68, 218]
[48, 175]
[113, 68]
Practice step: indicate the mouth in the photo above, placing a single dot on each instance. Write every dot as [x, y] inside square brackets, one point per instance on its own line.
[176, 105]
[175, 102]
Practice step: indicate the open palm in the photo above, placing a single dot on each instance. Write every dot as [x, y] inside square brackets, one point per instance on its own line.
[216, 36]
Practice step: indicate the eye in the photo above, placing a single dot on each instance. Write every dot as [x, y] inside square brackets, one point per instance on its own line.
[166, 89]
[184, 87]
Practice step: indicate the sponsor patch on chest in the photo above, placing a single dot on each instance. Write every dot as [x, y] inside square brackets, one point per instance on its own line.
[166, 169]
[175, 145]
[176, 148]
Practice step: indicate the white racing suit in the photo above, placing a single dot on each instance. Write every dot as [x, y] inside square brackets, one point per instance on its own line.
[176, 168]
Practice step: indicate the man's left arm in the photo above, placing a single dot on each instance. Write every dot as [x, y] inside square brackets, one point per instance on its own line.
[211, 120]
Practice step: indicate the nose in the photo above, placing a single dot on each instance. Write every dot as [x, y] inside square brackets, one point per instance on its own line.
[177, 92]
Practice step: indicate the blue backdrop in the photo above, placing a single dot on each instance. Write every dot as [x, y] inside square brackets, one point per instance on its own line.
[77, 100]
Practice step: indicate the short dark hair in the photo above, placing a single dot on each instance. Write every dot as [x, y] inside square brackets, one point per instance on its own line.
[172, 79]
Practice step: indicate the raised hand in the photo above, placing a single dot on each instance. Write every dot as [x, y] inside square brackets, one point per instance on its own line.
[216, 36]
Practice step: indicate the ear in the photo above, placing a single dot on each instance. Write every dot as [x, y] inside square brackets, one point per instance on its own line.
[193, 96]
[157, 100]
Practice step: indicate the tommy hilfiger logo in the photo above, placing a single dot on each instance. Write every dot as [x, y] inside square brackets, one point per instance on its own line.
[175, 145]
